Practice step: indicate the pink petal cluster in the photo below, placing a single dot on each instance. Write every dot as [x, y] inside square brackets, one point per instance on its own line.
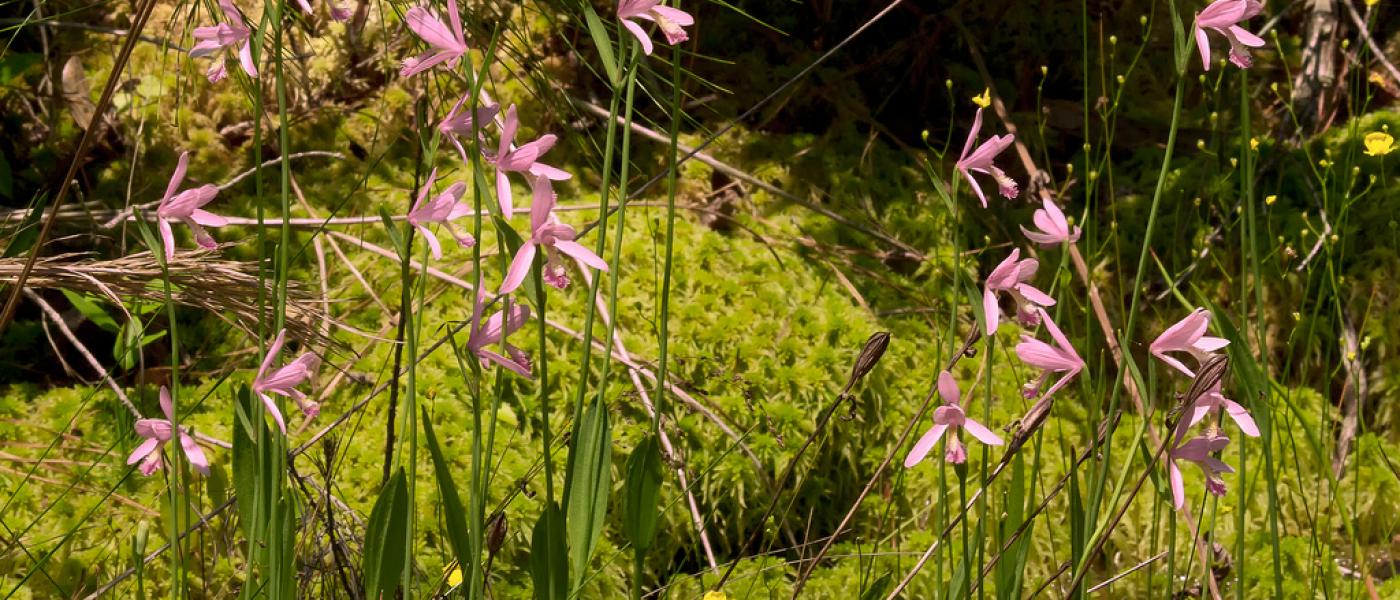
[283, 381]
[520, 159]
[1011, 277]
[490, 333]
[186, 207]
[230, 33]
[1214, 400]
[555, 238]
[458, 124]
[160, 431]
[449, 44]
[442, 209]
[671, 21]
[1189, 336]
[1058, 357]
[1053, 227]
[980, 161]
[1201, 451]
[1224, 17]
[948, 419]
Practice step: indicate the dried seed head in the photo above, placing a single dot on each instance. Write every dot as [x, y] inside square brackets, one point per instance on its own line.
[496, 533]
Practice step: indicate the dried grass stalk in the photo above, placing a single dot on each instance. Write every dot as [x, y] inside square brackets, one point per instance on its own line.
[228, 289]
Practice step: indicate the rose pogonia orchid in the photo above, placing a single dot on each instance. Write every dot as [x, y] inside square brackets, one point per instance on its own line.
[441, 209]
[1011, 276]
[159, 431]
[520, 159]
[212, 39]
[1214, 400]
[1198, 450]
[1054, 227]
[485, 336]
[980, 161]
[284, 381]
[459, 123]
[670, 20]
[948, 419]
[554, 237]
[449, 44]
[186, 207]
[1059, 357]
[1187, 335]
[1224, 17]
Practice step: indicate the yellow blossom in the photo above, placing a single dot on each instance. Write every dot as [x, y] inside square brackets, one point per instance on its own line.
[1254, 143]
[1372, 2]
[1379, 143]
[984, 100]
[454, 578]
[715, 595]
[1270, 199]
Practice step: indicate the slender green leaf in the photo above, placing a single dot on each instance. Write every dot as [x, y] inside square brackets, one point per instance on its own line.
[642, 493]
[599, 33]
[453, 511]
[549, 566]
[384, 546]
[590, 484]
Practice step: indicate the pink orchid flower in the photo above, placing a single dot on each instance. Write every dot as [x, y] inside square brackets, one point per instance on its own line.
[1011, 276]
[1198, 450]
[338, 13]
[948, 419]
[159, 431]
[670, 20]
[210, 40]
[487, 335]
[980, 161]
[284, 381]
[554, 237]
[1224, 17]
[449, 45]
[1059, 357]
[186, 207]
[1187, 335]
[1214, 400]
[441, 209]
[1054, 227]
[521, 159]
[458, 123]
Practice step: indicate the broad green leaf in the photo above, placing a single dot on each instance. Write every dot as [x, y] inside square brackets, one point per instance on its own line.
[384, 544]
[16, 64]
[599, 33]
[245, 464]
[91, 310]
[641, 494]
[879, 587]
[590, 482]
[453, 512]
[549, 566]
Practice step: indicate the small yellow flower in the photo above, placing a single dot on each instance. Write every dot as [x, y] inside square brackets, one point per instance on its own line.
[1376, 78]
[983, 101]
[715, 595]
[1254, 143]
[1378, 143]
[1270, 199]
[1372, 2]
[454, 578]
